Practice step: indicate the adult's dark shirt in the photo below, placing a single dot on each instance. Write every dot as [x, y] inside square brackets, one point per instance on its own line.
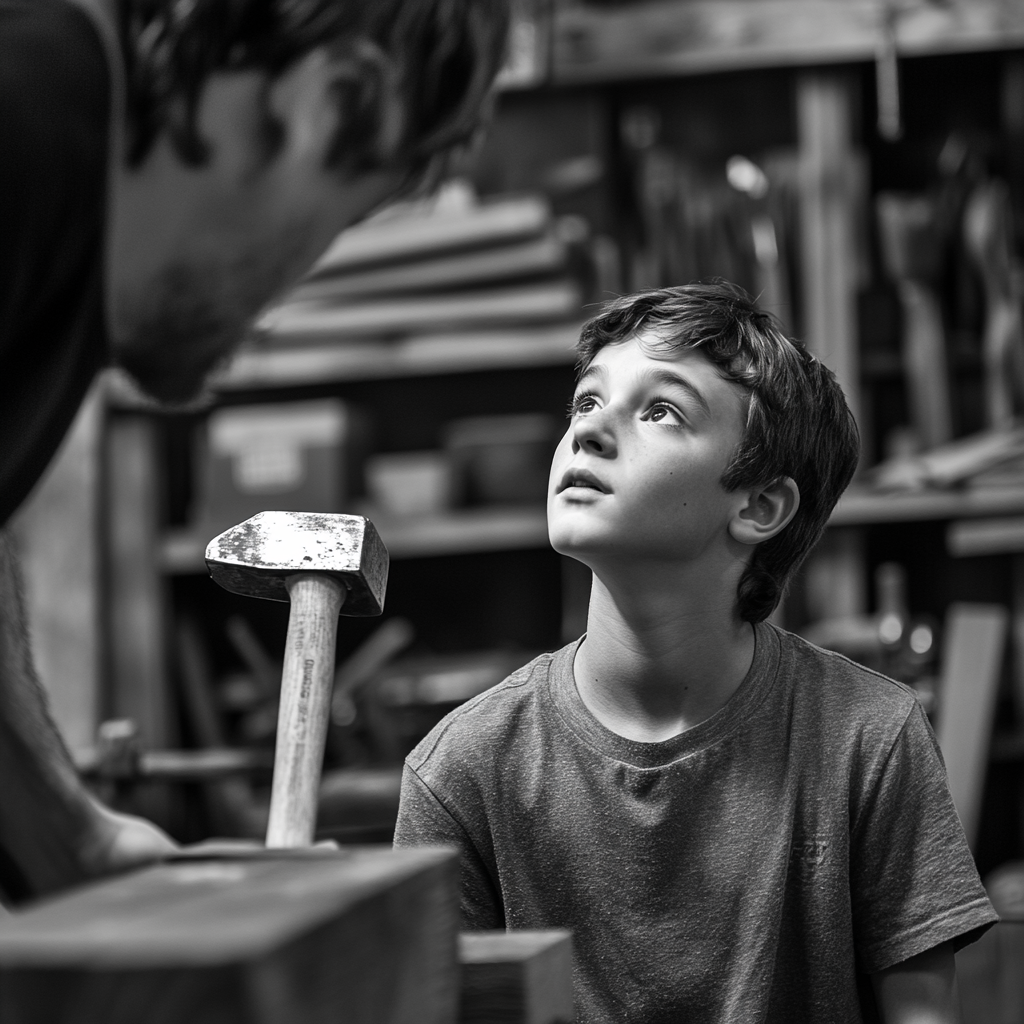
[54, 145]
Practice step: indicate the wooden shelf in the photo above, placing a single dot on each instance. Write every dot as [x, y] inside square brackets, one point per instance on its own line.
[410, 357]
[509, 528]
[257, 368]
[860, 507]
[460, 532]
[679, 37]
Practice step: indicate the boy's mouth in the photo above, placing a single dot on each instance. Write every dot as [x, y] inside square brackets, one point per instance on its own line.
[581, 478]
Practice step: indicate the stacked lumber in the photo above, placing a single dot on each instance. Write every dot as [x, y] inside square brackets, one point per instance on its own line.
[450, 264]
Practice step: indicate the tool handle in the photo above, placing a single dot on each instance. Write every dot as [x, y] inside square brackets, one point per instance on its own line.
[306, 683]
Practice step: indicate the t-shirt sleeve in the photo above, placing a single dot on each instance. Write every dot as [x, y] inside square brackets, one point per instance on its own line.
[424, 820]
[913, 880]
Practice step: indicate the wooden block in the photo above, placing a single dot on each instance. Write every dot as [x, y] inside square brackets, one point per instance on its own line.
[363, 936]
[516, 977]
[972, 658]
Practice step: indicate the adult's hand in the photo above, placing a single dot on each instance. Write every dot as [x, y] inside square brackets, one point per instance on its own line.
[117, 842]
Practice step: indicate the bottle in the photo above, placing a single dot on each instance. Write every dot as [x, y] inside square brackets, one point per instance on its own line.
[909, 645]
[893, 618]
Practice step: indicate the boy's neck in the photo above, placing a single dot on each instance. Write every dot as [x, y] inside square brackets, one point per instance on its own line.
[655, 664]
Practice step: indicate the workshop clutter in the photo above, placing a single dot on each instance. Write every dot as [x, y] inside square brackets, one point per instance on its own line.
[942, 328]
[698, 219]
[398, 705]
[385, 696]
[486, 460]
[503, 459]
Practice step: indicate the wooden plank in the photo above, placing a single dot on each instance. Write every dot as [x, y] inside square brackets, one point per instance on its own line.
[543, 255]
[417, 230]
[1006, 890]
[516, 977]
[1001, 535]
[365, 936]
[57, 532]
[860, 506]
[594, 43]
[828, 225]
[306, 323]
[972, 658]
[135, 605]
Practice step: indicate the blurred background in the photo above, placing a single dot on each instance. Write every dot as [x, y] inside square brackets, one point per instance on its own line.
[858, 164]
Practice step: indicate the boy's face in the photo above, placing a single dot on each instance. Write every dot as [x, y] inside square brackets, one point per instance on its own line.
[637, 474]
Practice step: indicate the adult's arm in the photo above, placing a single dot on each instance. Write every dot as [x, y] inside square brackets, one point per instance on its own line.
[53, 833]
[921, 990]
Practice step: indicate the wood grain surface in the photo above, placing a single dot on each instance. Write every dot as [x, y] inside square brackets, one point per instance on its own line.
[365, 936]
[306, 683]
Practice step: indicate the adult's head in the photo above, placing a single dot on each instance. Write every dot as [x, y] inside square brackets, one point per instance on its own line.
[254, 131]
[797, 423]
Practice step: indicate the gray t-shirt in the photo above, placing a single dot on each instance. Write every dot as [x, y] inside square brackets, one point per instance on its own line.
[753, 868]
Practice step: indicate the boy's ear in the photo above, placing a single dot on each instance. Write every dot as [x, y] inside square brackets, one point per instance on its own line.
[344, 101]
[767, 511]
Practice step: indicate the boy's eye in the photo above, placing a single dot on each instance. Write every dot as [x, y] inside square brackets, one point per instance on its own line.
[663, 412]
[582, 404]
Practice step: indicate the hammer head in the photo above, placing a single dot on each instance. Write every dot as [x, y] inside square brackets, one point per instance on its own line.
[255, 557]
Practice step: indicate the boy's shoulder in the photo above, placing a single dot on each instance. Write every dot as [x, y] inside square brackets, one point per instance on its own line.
[834, 687]
[481, 729]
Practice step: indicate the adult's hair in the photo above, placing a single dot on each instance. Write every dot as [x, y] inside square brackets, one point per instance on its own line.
[447, 53]
[798, 423]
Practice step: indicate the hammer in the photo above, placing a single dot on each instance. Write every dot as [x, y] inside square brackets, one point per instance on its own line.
[325, 565]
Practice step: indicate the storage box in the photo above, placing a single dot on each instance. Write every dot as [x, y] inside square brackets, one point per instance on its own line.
[287, 456]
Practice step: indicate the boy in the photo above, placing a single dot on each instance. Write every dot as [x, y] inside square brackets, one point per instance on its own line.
[736, 826]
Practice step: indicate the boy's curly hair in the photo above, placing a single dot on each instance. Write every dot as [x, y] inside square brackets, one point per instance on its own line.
[448, 52]
[798, 422]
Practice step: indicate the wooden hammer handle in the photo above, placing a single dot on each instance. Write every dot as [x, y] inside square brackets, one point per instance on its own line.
[306, 683]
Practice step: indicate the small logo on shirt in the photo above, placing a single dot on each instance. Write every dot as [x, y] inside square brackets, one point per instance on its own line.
[806, 855]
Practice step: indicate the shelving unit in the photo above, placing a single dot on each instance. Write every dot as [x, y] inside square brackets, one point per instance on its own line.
[145, 562]
[458, 532]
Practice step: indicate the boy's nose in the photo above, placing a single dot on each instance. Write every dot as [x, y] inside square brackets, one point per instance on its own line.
[591, 433]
